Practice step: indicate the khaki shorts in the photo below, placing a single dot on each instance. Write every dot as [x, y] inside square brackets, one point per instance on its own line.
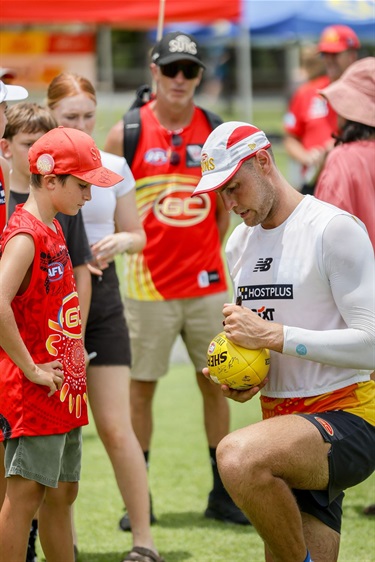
[46, 459]
[155, 325]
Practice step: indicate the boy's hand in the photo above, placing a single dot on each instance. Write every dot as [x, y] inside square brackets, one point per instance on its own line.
[48, 374]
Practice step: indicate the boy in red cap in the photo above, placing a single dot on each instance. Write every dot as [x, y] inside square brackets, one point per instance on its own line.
[310, 122]
[43, 380]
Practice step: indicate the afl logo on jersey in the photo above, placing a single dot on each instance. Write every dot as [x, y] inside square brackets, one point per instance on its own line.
[176, 207]
[55, 271]
[156, 156]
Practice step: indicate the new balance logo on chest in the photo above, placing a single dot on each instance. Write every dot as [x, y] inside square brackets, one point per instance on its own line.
[263, 264]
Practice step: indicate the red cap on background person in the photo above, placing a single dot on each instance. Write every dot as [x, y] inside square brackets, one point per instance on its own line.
[225, 149]
[69, 151]
[338, 38]
[353, 95]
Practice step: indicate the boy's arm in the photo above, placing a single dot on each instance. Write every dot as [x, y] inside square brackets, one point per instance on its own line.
[15, 267]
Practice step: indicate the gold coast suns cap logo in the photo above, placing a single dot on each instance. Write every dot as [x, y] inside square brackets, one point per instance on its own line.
[45, 164]
[207, 163]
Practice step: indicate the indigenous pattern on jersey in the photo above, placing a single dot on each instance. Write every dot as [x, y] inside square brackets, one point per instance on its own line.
[358, 399]
[2, 202]
[182, 257]
[49, 321]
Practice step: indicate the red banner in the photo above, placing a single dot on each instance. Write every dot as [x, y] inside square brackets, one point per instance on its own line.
[131, 14]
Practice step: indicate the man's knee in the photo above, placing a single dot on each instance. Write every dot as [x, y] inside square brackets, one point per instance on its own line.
[239, 461]
[231, 459]
[142, 392]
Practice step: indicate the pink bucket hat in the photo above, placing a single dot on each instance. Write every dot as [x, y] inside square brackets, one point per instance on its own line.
[225, 150]
[353, 95]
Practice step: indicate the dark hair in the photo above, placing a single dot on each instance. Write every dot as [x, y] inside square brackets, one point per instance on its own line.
[353, 131]
[35, 179]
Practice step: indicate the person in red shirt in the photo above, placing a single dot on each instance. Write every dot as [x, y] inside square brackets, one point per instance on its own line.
[7, 93]
[310, 122]
[43, 398]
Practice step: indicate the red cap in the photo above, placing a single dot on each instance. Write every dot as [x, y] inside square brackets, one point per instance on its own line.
[338, 38]
[70, 151]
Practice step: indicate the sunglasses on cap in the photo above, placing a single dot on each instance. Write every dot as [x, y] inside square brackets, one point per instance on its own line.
[171, 70]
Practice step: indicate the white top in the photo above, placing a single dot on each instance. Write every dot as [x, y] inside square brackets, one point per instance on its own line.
[315, 275]
[99, 213]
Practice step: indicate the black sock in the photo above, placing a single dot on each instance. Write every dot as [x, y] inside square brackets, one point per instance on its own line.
[34, 527]
[218, 488]
[146, 455]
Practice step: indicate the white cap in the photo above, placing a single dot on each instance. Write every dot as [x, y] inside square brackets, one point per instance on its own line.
[12, 93]
[225, 150]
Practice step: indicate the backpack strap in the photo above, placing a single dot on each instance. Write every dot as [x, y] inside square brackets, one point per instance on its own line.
[132, 131]
[213, 119]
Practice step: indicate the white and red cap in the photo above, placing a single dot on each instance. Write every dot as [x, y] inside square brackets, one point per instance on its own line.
[225, 150]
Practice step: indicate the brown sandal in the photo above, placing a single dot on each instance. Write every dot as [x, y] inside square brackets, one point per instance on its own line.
[141, 554]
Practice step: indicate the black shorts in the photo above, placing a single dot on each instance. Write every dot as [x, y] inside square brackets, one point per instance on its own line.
[351, 460]
[106, 331]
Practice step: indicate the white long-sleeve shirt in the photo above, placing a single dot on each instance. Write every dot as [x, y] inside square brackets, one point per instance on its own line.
[315, 275]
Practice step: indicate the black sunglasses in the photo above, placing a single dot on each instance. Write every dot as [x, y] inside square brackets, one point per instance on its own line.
[190, 71]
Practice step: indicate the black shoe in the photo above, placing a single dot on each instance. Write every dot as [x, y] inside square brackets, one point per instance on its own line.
[76, 553]
[31, 554]
[222, 508]
[124, 522]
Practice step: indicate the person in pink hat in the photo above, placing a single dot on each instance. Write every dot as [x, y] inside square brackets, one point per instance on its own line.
[309, 121]
[304, 270]
[43, 397]
[348, 177]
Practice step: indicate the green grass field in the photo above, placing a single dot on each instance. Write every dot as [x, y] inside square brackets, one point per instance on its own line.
[180, 479]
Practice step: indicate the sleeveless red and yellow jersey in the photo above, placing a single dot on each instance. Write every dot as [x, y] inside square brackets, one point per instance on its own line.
[49, 322]
[182, 257]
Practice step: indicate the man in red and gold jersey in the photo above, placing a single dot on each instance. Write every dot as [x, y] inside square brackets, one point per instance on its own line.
[42, 375]
[177, 284]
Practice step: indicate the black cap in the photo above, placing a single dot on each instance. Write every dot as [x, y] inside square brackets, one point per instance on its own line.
[175, 46]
